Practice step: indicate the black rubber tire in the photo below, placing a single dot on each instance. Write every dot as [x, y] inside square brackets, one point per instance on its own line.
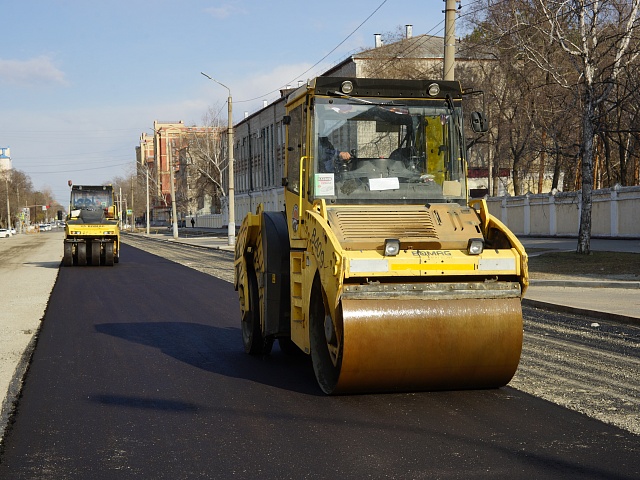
[67, 259]
[252, 337]
[108, 254]
[95, 254]
[81, 250]
[327, 370]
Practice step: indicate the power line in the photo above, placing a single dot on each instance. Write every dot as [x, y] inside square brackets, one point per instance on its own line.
[319, 61]
[76, 169]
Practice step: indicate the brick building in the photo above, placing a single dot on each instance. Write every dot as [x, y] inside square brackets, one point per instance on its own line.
[167, 155]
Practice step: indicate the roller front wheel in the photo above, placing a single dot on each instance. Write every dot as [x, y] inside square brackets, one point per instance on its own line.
[67, 259]
[254, 341]
[326, 340]
[108, 254]
[95, 253]
[81, 251]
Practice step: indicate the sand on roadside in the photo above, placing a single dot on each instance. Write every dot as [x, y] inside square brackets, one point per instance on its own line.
[29, 265]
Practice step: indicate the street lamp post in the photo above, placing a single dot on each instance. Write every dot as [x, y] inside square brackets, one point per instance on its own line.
[232, 212]
[6, 177]
[174, 212]
[147, 167]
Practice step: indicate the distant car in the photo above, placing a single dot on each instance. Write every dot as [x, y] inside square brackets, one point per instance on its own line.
[4, 233]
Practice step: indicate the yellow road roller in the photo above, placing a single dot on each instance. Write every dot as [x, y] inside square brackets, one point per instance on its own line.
[380, 267]
[92, 233]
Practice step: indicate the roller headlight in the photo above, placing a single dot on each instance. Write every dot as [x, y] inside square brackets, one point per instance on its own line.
[475, 246]
[434, 89]
[391, 247]
[347, 87]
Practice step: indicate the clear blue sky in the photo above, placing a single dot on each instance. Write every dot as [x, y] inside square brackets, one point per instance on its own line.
[81, 80]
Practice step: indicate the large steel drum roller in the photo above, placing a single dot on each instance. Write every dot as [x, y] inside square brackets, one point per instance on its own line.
[418, 344]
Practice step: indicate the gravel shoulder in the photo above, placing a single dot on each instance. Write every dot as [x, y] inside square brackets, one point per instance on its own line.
[28, 271]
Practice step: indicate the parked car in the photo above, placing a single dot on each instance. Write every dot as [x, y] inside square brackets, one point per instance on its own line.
[4, 233]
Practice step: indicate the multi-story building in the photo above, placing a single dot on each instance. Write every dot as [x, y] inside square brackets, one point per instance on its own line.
[259, 157]
[167, 156]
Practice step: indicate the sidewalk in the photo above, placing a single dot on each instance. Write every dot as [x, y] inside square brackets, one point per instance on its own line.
[604, 299]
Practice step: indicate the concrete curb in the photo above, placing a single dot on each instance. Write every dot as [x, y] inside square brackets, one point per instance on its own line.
[585, 283]
[613, 317]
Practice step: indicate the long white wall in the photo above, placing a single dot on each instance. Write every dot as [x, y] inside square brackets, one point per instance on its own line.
[273, 200]
[615, 212]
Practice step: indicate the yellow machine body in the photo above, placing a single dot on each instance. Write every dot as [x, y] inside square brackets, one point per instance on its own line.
[92, 232]
[382, 270]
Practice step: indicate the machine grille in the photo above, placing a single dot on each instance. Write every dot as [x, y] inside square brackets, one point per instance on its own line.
[367, 224]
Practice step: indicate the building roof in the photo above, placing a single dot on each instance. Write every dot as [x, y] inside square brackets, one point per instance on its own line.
[420, 47]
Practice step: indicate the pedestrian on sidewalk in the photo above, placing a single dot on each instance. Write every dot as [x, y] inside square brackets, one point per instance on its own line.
[193, 223]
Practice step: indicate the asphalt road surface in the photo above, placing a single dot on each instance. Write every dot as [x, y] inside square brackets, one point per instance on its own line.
[139, 372]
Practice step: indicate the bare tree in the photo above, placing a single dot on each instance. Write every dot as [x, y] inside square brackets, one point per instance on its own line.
[207, 155]
[522, 104]
[596, 38]
[20, 192]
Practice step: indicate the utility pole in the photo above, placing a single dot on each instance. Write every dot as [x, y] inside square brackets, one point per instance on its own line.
[6, 178]
[147, 167]
[232, 209]
[133, 212]
[449, 39]
[173, 190]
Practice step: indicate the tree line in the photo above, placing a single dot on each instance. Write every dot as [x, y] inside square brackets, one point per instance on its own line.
[561, 91]
[17, 192]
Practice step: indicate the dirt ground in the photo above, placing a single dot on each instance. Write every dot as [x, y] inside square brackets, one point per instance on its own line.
[608, 265]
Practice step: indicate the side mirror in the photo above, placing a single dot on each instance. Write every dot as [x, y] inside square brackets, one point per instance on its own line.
[479, 122]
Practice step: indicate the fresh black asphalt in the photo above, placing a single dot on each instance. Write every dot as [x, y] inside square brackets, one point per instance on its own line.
[139, 372]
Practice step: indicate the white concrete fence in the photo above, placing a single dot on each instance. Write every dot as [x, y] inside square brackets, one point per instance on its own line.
[615, 212]
[244, 203]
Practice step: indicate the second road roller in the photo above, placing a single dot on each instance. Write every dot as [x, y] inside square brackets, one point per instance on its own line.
[380, 267]
[92, 234]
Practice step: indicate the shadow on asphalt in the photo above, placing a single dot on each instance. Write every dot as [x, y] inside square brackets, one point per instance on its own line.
[218, 350]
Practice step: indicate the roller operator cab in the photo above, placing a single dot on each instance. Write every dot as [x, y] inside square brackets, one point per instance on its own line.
[92, 234]
[379, 267]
